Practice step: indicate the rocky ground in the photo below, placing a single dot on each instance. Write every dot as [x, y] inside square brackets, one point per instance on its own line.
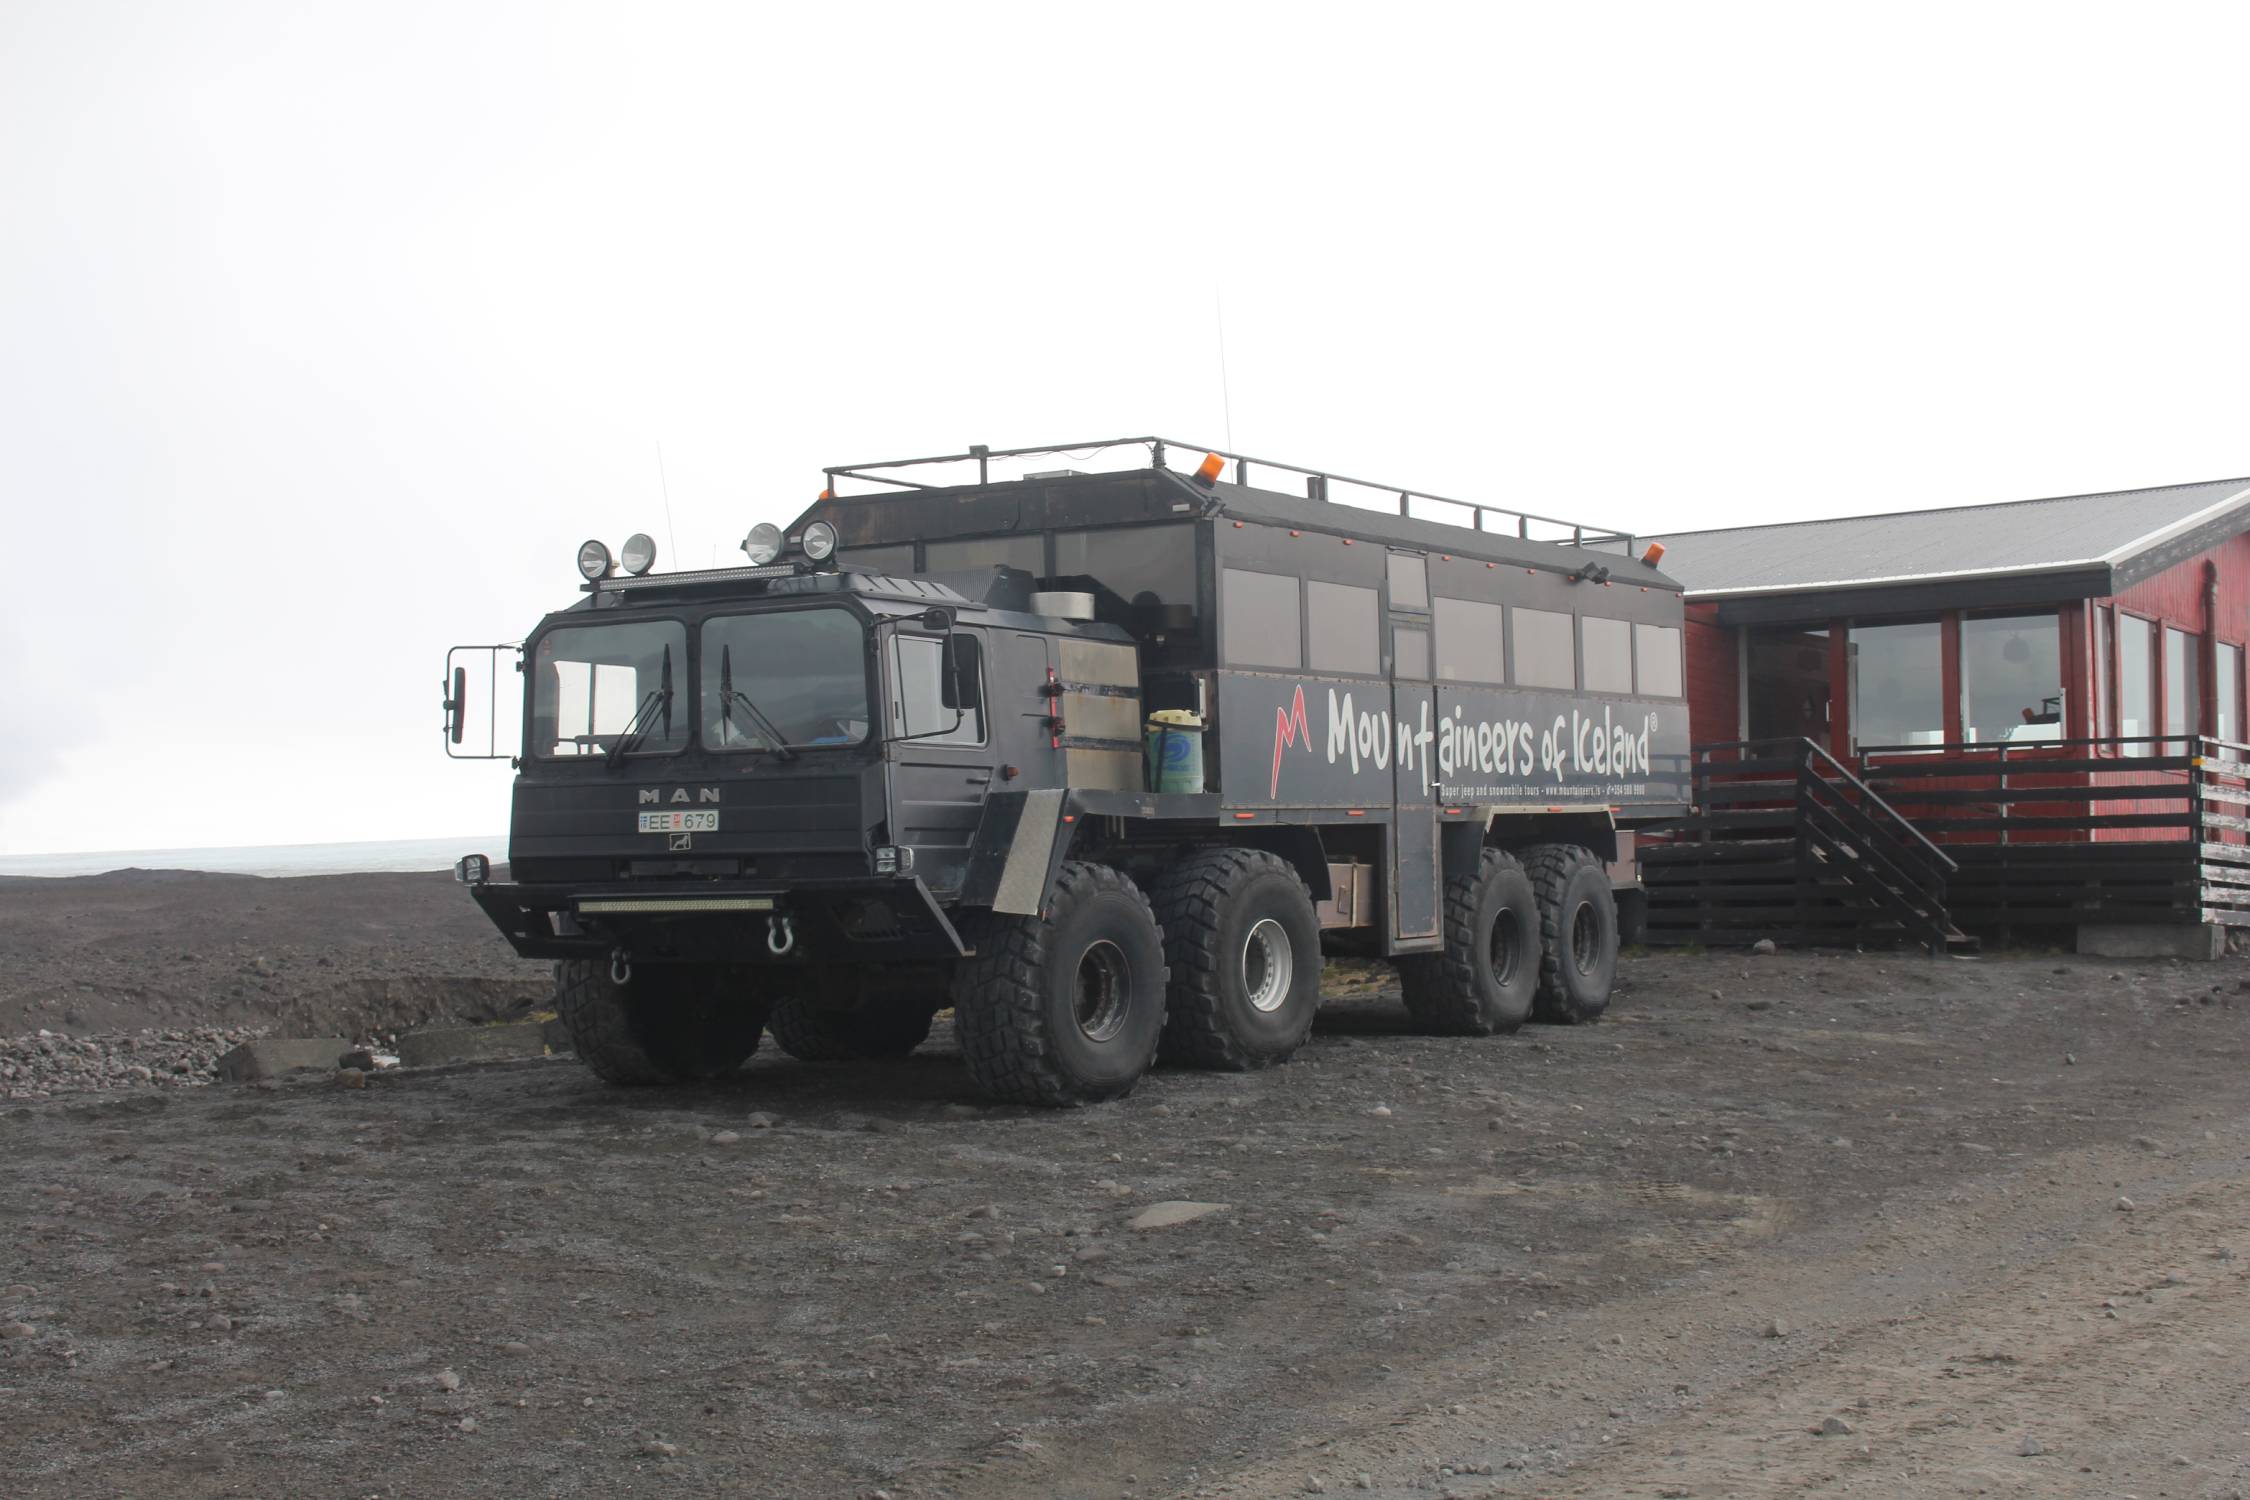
[1793, 1224]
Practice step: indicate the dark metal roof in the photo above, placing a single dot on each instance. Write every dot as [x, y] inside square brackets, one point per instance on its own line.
[2073, 546]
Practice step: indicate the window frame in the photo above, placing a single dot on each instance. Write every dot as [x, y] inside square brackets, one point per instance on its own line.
[871, 678]
[683, 669]
[1228, 611]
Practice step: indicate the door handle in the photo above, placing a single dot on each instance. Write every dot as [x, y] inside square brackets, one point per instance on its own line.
[980, 778]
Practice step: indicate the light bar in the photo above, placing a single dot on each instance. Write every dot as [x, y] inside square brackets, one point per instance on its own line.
[671, 905]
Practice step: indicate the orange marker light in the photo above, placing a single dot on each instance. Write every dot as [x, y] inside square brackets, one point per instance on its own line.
[1207, 472]
[1654, 554]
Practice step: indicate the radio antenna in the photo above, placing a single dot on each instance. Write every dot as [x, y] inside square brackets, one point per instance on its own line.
[671, 540]
[1226, 396]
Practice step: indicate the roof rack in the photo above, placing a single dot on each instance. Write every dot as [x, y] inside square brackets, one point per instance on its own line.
[1317, 486]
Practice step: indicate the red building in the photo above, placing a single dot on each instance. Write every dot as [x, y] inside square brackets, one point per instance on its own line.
[1959, 663]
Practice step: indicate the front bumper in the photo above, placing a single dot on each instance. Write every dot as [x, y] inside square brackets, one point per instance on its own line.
[866, 919]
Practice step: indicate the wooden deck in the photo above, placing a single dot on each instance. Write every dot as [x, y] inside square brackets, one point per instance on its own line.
[1930, 845]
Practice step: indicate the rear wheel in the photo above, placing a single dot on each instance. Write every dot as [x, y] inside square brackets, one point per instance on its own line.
[1243, 945]
[1577, 933]
[670, 1024]
[1065, 1010]
[1484, 980]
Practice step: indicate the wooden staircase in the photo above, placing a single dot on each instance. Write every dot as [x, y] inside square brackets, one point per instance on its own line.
[1787, 843]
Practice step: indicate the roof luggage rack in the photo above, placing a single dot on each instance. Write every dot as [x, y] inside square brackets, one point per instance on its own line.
[1319, 485]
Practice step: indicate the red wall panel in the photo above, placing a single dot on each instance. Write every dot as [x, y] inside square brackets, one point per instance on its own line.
[1714, 679]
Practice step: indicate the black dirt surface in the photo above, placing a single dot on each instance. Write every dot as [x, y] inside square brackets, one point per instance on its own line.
[855, 1279]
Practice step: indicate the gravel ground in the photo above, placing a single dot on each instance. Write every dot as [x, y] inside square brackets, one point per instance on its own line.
[1651, 1257]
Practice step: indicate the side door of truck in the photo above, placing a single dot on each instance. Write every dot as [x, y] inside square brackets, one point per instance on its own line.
[1415, 873]
[941, 747]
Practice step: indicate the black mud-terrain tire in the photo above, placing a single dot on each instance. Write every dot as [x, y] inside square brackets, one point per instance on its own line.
[1065, 1010]
[1485, 980]
[669, 1025]
[811, 1031]
[1243, 944]
[1577, 933]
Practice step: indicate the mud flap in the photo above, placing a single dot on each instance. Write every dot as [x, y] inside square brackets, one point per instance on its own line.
[1018, 846]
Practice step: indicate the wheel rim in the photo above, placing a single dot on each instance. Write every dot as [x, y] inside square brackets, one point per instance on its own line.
[1585, 937]
[1268, 965]
[1102, 993]
[1506, 948]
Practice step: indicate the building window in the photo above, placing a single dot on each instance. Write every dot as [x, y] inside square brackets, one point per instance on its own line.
[2136, 698]
[1468, 641]
[1656, 660]
[2227, 675]
[1785, 673]
[1896, 672]
[1543, 648]
[1608, 647]
[2012, 668]
[1410, 650]
[1410, 581]
[2182, 700]
[1258, 620]
[1341, 628]
[1025, 550]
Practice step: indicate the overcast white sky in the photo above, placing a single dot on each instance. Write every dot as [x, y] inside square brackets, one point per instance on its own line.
[327, 332]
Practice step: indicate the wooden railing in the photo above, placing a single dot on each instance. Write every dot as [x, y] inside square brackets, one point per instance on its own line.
[1842, 827]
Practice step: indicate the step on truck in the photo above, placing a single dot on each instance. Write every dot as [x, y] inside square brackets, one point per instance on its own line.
[1104, 761]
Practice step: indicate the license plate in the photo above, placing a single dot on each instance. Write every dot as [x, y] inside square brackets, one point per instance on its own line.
[679, 822]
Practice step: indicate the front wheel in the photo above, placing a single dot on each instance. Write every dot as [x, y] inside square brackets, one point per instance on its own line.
[672, 1023]
[811, 1030]
[1577, 933]
[1065, 1010]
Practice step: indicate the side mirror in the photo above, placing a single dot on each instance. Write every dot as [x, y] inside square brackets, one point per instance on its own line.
[456, 705]
[937, 619]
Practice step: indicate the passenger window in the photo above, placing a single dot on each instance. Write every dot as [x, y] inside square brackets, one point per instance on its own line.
[1410, 651]
[920, 704]
[1344, 634]
[1258, 619]
[1468, 641]
[1410, 581]
[1025, 550]
[1656, 656]
[1543, 648]
[891, 560]
[1608, 649]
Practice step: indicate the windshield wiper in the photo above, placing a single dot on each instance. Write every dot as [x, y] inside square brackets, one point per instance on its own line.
[729, 697]
[643, 720]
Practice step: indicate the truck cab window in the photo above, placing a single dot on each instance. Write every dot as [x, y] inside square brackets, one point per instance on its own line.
[919, 704]
[591, 684]
[797, 676]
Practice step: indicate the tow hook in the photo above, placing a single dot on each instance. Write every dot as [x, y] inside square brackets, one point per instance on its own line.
[620, 967]
[781, 934]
